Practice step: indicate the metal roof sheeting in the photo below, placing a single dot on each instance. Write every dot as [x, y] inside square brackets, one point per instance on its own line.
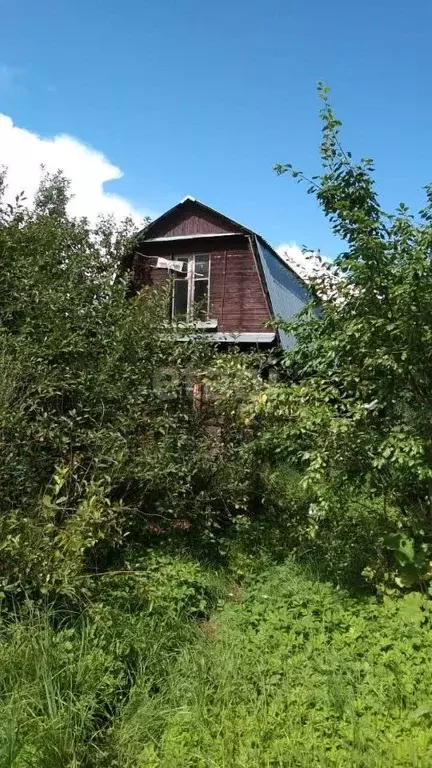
[288, 295]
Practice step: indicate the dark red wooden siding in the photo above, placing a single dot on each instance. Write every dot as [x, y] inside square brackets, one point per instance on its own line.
[192, 220]
[237, 297]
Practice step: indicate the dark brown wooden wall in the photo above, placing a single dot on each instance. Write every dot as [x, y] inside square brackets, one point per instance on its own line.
[190, 221]
[237, 297]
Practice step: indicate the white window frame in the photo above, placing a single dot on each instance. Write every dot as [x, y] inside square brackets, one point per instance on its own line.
[191, 279]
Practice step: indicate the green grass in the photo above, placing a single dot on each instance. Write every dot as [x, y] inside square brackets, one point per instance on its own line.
[62, 689]
[296, 674]
[52, 684]
[288, 672]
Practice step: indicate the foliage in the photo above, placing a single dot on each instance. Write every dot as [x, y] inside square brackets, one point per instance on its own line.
[232, 381]
[289, 672]
[123, 494]
[358, 411]
[162, 583]
[94, 456]
[296, 674]
[64, 678]
[342, 533]
[56, 688]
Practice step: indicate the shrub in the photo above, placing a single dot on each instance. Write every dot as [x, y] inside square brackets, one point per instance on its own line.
[94, 458]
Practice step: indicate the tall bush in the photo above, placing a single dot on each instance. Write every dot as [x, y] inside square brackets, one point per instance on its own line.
[357, 411]
[95, 455]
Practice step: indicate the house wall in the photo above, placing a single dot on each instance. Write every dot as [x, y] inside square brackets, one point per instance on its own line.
[237, 297]
[190, 221]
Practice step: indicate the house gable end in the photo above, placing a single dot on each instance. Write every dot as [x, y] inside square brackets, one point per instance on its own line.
[191, 218]
[249, 282]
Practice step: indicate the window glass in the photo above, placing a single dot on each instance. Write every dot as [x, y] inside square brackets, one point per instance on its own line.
[201, 266]
[180, 298]
[200, 299]
[191, 288]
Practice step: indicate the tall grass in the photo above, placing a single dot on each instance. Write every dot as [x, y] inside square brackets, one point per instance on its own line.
[50, 689]
[65, 678]
[289, 673]
[62, 689]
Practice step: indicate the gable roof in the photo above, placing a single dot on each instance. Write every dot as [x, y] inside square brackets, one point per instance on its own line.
[286, 290]
[191, 203]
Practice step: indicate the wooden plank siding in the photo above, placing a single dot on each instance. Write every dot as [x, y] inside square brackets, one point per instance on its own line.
[189, 221]
[237, 297]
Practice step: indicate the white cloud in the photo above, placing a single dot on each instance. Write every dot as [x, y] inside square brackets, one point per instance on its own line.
[310, 264]
[304, 264]
[23, 152]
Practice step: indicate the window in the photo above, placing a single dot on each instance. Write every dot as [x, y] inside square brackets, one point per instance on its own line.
[190, 299]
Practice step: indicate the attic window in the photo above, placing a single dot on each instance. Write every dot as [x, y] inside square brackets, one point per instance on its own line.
[190, 298]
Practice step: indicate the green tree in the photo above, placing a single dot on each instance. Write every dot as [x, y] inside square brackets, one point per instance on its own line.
[358, 412]
[95, 455]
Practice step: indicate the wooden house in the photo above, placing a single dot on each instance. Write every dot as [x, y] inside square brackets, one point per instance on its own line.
[224, 277]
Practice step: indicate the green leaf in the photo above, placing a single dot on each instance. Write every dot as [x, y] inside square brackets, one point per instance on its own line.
[424, 709]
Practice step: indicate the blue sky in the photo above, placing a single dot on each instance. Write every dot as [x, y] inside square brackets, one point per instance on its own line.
[202, 98]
